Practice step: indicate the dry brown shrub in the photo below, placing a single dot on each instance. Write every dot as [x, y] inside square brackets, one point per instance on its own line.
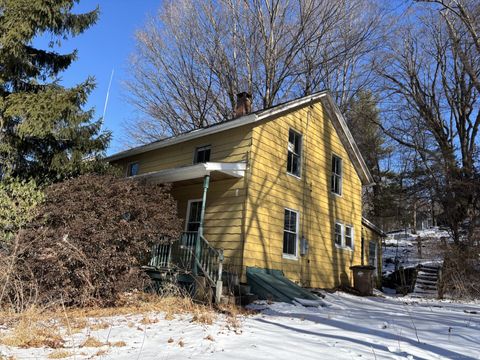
[461, 272]
[88, 241]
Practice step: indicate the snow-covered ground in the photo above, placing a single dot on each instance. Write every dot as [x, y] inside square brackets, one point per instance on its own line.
[403, 247]
[347, 327]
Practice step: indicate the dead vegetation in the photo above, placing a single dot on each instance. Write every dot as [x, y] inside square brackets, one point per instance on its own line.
[60, 354]
[86, 243]
[460, 277]
[53, 328]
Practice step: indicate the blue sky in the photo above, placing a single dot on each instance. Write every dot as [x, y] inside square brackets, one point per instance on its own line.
[106, 46]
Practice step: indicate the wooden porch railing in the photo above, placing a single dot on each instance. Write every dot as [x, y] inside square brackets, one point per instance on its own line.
[180, 255]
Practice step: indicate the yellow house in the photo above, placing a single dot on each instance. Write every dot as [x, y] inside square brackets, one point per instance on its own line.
[280, 189]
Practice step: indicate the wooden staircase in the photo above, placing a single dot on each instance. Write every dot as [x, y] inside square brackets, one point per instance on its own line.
[426, 284]
[184, 259]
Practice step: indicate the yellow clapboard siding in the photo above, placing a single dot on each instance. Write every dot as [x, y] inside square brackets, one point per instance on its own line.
[325, 198]
[270, 190]
[245, 216]
[231, 148]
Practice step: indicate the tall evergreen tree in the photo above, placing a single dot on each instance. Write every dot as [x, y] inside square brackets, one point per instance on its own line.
[363, 119]
[44, 131]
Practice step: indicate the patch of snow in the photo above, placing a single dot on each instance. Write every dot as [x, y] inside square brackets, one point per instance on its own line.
[401, 248]
[349, 327]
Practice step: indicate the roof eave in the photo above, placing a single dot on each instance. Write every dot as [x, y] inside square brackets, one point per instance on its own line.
[373, 227]
[244, 120]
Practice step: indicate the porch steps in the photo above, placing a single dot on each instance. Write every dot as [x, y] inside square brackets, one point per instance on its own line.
[426, 285]
[270, 284]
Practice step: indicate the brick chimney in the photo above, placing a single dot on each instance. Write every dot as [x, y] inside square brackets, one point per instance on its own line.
[244, 104]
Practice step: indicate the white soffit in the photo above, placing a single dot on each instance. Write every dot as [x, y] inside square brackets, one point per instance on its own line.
[235, 170]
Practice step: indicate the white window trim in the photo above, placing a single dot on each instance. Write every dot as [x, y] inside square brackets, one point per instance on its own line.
[208, 146]
[343, 245]
[297, 222]
[128, 168]
[341, 177]
[189, 203]
[298, 177]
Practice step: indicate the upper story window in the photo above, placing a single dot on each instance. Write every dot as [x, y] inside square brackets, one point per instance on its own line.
[336, 179]
[294, 153]
[290, 233]
[132, 169]
[202, 154]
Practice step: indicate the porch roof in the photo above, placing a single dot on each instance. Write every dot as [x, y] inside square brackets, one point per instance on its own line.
[225, 170]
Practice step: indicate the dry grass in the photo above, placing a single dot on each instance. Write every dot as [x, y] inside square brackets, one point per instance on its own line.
[32, 330]
[101, 352]
[118, 344]
[234, 314]
[204, 316]
[60, 354]
[99, 326]
[50, 327]
[146, 320]
[92, 342]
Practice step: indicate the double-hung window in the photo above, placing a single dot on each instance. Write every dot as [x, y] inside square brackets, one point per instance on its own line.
[294, 158]
[290, 233]
[343, 235]
[336, 177]
[202, 154]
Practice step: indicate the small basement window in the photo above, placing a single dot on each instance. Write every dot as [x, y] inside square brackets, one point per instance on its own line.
[132, 169]
[290, 233]
[294, 153]
[202, 154]
[336, 178]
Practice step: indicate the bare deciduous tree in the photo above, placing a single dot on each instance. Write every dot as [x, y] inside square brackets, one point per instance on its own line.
[194, 57]
[434, 110]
